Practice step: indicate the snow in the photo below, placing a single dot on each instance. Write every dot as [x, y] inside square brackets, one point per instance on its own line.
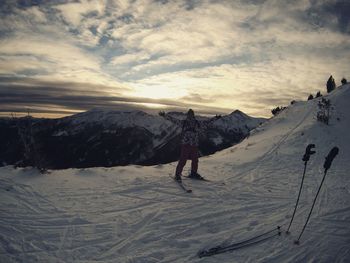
[60, 133]
[217, 140]
[242, 122]
[138, 214]
[123, 119]
[112, 120]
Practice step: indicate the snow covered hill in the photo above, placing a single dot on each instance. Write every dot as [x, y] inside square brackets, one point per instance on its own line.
[139, 214]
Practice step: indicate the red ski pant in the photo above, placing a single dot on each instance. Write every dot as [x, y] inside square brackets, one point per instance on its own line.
[188, 152]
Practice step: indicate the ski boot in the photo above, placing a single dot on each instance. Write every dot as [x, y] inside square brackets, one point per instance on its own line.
[194, 175]
[178, 178]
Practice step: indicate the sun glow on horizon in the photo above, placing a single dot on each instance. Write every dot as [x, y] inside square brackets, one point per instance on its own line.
[158, 92]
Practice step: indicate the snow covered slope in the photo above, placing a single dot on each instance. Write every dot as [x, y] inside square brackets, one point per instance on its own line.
[242, 122]
[138, 214]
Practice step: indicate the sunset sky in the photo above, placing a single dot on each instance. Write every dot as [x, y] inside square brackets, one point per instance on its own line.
[62, 57]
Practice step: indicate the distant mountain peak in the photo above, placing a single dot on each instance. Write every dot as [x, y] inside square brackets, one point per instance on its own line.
[238, 112]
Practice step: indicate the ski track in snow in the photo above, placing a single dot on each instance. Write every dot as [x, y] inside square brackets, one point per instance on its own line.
[138, 214]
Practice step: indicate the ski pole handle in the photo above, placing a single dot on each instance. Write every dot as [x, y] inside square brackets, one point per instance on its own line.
[329, 159]
[308, 152]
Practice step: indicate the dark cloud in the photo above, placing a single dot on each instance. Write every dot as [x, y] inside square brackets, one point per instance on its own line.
[197, 98]
[320, 14]
[29, 3]
[61, 87]
[186, 4]
[126, 18]
[340, 9]
[327, 14]
[64, 98]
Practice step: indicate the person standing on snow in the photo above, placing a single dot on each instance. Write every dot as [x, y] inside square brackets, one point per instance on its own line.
[189, 146]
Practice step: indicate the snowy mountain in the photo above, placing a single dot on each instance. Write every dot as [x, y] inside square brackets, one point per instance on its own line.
[121, 119]
[139, 214]
[242, 122]
[103, 137]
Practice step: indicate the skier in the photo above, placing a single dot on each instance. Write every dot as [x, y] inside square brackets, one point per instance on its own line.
[189, 146]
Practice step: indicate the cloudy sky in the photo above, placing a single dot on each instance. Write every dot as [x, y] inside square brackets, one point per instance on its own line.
[215, 56]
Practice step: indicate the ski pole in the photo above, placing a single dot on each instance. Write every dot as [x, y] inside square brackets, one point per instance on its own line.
[327, 164]
[306, 158]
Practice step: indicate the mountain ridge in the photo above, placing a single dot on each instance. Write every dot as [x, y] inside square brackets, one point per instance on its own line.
[104, 137]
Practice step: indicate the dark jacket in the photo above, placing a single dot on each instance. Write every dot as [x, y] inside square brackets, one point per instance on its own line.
[190, 132]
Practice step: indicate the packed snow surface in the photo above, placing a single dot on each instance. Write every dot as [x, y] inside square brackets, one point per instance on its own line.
[139, 214]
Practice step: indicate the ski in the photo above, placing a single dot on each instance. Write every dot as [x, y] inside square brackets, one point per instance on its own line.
[241, 244]
[204, 180]
[198, 179]
[187, 190]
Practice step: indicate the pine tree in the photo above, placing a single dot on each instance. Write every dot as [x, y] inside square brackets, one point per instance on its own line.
[318, 94]
[323, 115]
[277, 110]
[32, 154]
[330, 84]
